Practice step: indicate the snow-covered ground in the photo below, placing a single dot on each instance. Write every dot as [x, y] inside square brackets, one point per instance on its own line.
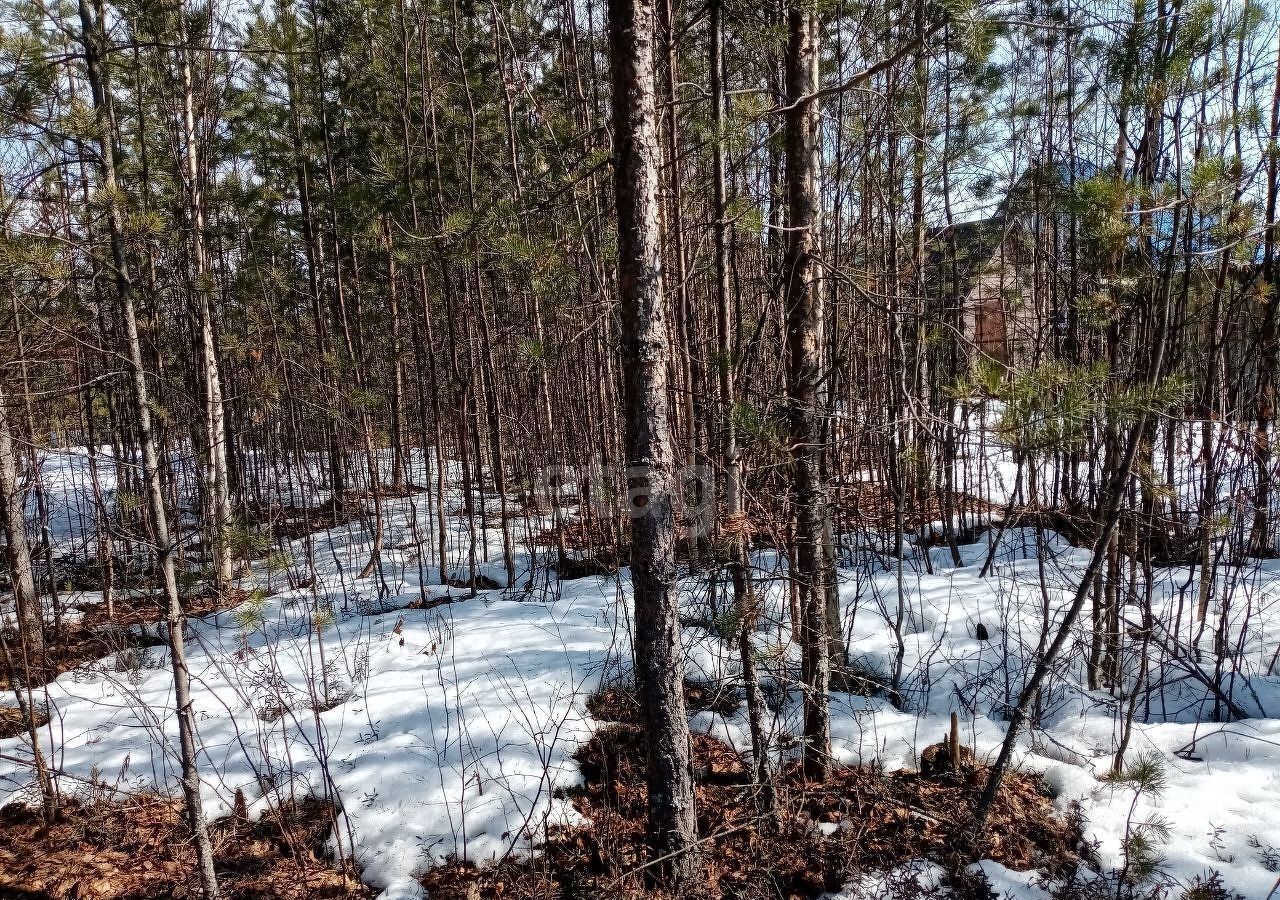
[444, 731]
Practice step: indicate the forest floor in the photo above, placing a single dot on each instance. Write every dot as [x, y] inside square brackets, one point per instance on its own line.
[459, 732]
[89, 634]
[140, 849]
[812, 838]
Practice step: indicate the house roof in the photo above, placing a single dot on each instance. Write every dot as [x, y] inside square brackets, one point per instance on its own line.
[963, 251]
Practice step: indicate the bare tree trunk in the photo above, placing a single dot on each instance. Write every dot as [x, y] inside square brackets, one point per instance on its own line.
[13, 520]
[18, 552]
[687, 366]
[1269, 338]
[175, 619]
[217, 483]
[27, 710]
[646, 349]
[314, 254]
[804, 377]
[92, 37]
[739, 572]
[398, 464]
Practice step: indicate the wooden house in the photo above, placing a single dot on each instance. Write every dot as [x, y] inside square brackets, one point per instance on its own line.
[1001, 281]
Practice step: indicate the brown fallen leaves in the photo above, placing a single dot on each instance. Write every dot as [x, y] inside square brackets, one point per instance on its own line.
[14, 723]
[140, 850]
[823, 835]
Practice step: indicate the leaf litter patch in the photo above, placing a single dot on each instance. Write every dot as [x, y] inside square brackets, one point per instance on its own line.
[141, 850]
[822, 836]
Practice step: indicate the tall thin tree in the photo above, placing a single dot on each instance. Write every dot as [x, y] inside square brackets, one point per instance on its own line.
[93, 40]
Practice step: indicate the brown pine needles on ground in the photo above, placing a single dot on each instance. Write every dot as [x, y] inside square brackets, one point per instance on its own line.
[140, 850]
[873, 822]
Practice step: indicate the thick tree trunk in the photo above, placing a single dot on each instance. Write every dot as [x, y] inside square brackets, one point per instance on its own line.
[804, 377]
[646, 349]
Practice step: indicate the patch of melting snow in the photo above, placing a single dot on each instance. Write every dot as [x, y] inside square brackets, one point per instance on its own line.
[445, 732]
